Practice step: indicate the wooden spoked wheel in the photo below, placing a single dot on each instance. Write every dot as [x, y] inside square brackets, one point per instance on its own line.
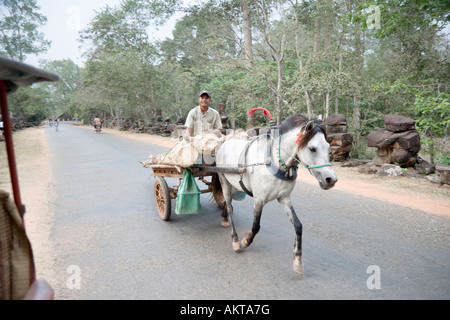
[162, 198]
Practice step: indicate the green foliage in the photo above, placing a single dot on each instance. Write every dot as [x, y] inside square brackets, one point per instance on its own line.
[32, 102]
[433, 111]
[312, 56]
[19, 23]
[445, 159]
[61, 100]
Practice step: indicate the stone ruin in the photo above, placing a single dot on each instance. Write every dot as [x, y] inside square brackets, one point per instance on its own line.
[156, 125]
[398, 143]
[19, 121]
[340, 141]
[223, 116]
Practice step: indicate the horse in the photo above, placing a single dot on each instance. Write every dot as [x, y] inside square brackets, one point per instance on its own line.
[271, 161]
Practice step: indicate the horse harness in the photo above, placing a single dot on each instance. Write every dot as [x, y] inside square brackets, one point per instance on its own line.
[289, 175]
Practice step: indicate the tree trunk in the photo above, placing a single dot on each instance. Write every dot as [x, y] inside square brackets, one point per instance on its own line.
[247, 35]
[356, 114]
[327, 105]
[317, 29]
[359, 66]
[279, 88]
[300, 61]
[233, 121]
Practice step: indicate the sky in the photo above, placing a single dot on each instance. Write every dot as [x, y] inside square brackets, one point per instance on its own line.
[66, 18]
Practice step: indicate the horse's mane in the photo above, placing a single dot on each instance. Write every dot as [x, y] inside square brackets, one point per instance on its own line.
[298, 121]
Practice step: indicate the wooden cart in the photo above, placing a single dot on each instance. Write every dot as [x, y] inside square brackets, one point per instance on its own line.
[164, 194]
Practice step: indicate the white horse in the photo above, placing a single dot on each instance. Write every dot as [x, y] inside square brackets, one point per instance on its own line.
[271, 161]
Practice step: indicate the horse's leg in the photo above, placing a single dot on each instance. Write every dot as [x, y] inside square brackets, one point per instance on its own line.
[224, 223]
[250, 235]
[287, 205]
[227, 212]
[226, 191]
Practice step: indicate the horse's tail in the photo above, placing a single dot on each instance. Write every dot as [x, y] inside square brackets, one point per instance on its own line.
[216, 192]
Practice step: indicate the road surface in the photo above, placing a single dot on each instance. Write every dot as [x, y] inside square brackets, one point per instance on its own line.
[109, 243]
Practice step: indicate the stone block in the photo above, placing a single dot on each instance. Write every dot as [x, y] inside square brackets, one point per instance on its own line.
[336, 119]
[443, 173]
[389, 170]
[425, 167]
[398, 123]
[336, 129]
[401, 156]
[340, 139]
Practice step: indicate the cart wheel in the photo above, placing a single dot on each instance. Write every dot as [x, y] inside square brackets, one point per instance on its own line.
[162, 198]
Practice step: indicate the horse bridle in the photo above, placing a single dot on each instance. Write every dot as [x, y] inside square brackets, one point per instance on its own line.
[289, 175]
[299, 161]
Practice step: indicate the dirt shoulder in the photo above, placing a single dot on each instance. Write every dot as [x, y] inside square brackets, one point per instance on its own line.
[37, 192]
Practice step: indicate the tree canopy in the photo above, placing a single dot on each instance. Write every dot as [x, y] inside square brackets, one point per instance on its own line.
[361, 58]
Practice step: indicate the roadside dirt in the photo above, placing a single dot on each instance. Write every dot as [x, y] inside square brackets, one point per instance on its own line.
[38, 193]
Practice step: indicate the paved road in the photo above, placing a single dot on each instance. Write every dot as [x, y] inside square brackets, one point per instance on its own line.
[109, 242]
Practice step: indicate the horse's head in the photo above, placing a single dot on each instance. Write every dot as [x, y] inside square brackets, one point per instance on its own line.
[314, 153]
[313, 149]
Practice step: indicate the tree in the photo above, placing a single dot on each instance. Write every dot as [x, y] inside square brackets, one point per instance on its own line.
[288, 56]
[19, 22]
[120, 77]
[62, 91]
[433, 115]
[247, 23]
[32, 102]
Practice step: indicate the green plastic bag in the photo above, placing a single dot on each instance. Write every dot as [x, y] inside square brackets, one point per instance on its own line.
[188, 196]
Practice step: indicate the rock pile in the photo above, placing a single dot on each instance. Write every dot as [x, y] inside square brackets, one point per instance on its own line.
[156, 125]
[443, 174]
[397, 143]
[340, 141]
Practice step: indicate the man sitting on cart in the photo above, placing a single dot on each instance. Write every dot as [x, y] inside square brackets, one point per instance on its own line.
[203, 119]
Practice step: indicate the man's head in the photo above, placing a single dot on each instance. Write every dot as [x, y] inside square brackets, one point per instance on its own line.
[204, 99]
[204, 92]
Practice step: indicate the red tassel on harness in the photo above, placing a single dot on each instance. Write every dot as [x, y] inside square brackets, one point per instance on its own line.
[299, 137]
[265, 112]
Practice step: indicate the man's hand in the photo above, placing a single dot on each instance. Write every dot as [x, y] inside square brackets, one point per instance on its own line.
[189, 132]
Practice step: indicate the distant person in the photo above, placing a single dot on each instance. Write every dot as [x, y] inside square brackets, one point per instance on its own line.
[97, 122]
[56, 123]
[203, 119]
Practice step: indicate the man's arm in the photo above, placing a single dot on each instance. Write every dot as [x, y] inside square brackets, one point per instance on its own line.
[217, 123]
[189, 125]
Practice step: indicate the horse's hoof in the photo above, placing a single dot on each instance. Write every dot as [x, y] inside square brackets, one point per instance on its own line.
[225, 224]
[236, 246]
[298, 266]
[245, 243]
